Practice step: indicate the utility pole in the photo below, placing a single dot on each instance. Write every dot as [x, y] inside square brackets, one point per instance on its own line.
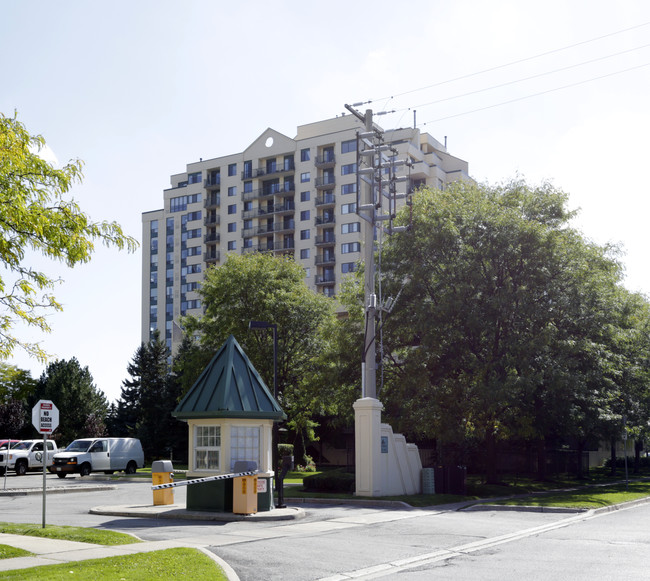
[370, 178]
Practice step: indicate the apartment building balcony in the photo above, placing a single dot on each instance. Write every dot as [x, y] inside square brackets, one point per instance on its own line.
[212, 238]
[269, 170]
[212, 200]
[323, 182]
[325, 240]
[212, 220]
[326, 160]
[212, 255]
[328, 199]
[263, 229]
[325, 220]
[284, 226]
[269, 190]
[212, 182]
[325, 279]
[325, 260]
[284, 208]
[284, 245]
[263, 247]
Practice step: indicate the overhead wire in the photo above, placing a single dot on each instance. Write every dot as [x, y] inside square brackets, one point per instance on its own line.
[511, 63]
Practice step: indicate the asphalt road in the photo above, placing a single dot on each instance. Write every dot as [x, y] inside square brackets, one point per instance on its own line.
[338, 542]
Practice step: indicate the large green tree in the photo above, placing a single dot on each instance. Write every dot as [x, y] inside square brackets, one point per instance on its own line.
[148, 397]
[262, 287]
[501, 291]
[15, 387]
[82, 406]
[36, 215]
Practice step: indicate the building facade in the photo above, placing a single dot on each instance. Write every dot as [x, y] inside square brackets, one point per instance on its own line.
[281, 195]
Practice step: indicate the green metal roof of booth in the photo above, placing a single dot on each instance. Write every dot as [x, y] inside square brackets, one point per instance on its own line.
[229, 387]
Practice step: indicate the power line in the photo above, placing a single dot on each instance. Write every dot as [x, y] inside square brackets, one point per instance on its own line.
[537, 94]
[554, 51]
[524, 79]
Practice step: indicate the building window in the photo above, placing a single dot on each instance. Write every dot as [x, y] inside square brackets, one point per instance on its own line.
[305, 234]
[348, 267]
[304, 215]
[351, 227]
[248, 243]
[153, 228]
[348, 189]
[349, 208]
[248, 170]
[307, 272]
[348, 146]
[350, 247]
[304, 253]
[305, 177]
[248, 187]
[232, 191]
[304, 196]
[207, 447]
[180, 203]
[232, 226]
[232, 169]
[232, 245]
[244, 445]
[194, 178]
[304, 155]
[348, 168]
[232, 209]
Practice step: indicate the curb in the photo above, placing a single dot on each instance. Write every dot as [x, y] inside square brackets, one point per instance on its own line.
[56, 490]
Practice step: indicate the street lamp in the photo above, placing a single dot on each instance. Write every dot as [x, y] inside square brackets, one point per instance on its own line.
[274, 444]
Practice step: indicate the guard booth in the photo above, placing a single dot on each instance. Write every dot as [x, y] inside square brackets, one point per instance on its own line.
[230, 414]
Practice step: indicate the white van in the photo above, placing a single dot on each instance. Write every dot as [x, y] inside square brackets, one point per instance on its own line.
[99, 455]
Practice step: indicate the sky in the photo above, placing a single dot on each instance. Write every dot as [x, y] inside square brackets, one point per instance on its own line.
[552, 91]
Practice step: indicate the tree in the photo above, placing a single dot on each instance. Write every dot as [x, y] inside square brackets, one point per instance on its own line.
[147, 400]
[35, 215]
[70, 386]
[272, 289]
[15, 386]
[493, 307]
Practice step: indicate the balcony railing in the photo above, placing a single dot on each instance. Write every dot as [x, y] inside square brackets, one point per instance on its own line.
[325, 160]
[327, 181]
[212, 255]
[325, 259]
[286, 207]
[212, 220]
[212, 201]
[212, 238]
[289, 244]
[325, 279]
[326, 200]
[278, 168]
[269, 190]
[326, 240]
[211, 182]
[325, 220]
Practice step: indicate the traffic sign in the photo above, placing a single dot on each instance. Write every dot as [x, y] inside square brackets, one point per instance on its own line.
[45, 417]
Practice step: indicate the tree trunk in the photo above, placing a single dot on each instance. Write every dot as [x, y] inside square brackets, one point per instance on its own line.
[612, 457]
[491, 472]
[541, 459]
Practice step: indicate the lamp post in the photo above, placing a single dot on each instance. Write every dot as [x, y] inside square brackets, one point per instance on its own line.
[274, 444]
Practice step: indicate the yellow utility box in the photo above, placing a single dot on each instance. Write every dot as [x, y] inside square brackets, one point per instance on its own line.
[244, 498]
[162, 472]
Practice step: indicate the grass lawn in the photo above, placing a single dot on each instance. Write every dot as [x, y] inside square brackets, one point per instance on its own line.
[7, 552]
[79, 534]
[143, 566]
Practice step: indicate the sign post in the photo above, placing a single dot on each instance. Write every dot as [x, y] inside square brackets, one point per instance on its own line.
[45, 417]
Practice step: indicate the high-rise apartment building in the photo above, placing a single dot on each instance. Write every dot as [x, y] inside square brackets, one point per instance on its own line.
[281, 195]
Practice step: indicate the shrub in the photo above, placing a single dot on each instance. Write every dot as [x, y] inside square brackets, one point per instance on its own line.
[308, 466]
[331, 481]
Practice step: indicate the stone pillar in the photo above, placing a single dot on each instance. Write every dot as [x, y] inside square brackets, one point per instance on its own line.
[367, 446]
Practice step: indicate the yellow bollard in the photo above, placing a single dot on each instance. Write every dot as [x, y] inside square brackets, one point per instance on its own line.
[162, 473]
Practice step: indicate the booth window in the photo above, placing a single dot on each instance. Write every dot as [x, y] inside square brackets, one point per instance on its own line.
[207, 445]
[244, 444]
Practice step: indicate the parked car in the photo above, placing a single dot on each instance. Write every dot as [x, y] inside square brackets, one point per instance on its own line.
[26, 455]
[106, 455]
